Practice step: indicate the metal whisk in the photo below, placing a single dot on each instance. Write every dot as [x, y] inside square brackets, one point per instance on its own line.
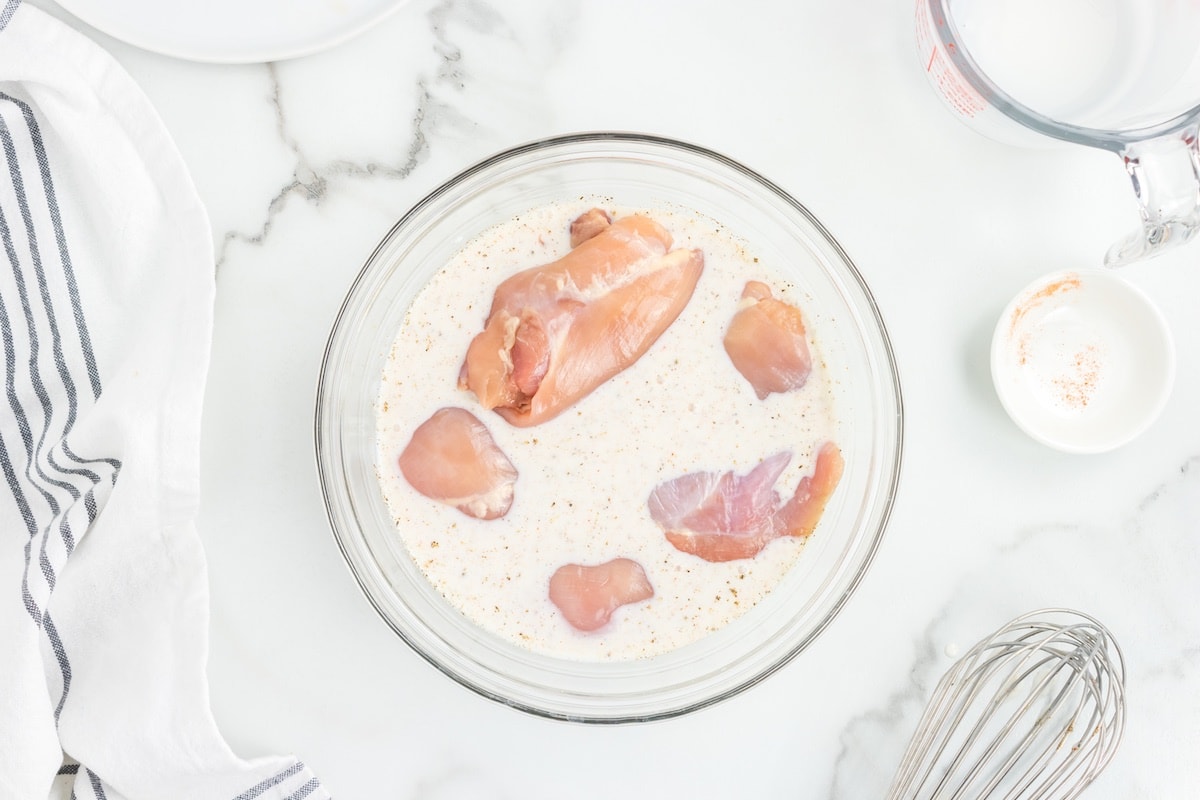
[1036, 710]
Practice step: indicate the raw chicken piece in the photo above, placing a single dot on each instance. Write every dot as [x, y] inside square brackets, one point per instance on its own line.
[800, 515]
[766, 342]
[588, 595]
[453, 459]
[720, 516]
[587, 225]
[556, 332]
[723, 517]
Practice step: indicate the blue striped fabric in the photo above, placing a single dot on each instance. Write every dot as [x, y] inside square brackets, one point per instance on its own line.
[279, 778]
[97, 786]
[51, 489]
[6, 12]
[50, 371]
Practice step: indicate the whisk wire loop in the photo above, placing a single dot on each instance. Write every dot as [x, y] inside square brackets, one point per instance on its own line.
[1034, 711]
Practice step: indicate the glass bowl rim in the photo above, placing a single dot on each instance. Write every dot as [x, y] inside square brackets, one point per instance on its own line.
[889, 471]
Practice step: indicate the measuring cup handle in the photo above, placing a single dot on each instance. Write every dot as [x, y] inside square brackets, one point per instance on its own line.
[1166, 179]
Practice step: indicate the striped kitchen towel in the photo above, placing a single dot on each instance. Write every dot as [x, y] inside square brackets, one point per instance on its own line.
[106, 291]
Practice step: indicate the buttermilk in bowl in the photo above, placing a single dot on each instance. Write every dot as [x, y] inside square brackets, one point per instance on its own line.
[604, 432]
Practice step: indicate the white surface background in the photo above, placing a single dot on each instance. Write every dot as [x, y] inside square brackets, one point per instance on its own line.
[305, 164]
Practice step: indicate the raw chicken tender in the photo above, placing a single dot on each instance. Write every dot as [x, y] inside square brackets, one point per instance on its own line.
[588, 595]
[724, 517]
[556, 332]
[766, 342]
[588, 224]
[452, 458]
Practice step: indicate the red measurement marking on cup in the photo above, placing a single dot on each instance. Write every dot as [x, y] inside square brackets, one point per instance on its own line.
[949, 83]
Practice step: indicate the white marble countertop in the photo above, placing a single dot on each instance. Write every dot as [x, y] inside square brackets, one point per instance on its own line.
[305, 164]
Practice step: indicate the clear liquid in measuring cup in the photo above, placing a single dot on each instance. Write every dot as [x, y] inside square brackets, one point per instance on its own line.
[1094, 63]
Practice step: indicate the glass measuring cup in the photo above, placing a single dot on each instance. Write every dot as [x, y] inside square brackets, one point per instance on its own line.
[1120, 75]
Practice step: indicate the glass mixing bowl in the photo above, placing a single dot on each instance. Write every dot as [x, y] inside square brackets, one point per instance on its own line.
[641, 172]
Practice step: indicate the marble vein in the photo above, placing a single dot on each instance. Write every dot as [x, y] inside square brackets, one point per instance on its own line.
[501, 84]
[1080, 566]
[872, 742]
[312, 182]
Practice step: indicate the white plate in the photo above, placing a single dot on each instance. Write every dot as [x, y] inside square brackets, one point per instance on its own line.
[1082, 361]
[232, 31]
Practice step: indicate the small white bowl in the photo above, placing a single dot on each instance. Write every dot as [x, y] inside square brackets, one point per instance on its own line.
[1082, 361]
